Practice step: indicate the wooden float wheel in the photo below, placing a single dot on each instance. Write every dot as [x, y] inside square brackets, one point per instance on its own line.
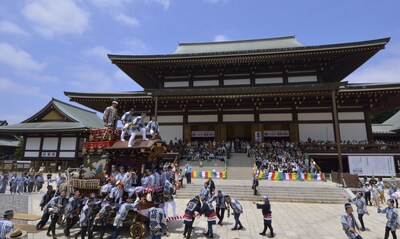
[138, 229]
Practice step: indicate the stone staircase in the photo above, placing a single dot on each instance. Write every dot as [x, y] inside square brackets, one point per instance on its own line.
[239, 167]
[241, 190]
[239, 181]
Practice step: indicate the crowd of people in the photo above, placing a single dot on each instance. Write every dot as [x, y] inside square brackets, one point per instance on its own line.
[122, 192]
[205, 150]
[27, 182]
[282, 156]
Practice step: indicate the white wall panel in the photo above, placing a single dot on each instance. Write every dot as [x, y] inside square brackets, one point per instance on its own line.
[170, 119]
[176, 84]
[68, 143]
[202, 118]
[206, 83]
[50, 143]
[270, 80]
[237, 82]
[314, 116]
[316, 132]
[168, 132]
[351, 115]
[353, 131]
[276, 117]
[32, 143]
[238, 118]
[67, 154]
[302, 79]
[33, 154]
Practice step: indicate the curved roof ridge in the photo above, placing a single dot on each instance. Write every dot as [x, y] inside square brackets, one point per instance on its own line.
[237, 41]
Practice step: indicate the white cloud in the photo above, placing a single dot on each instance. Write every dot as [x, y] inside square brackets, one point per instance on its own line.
[386, 71]
[221, 38]
[18, 59]
[88, 77]
[125, 19]
[135, 46]
[117, 9]
[9, 86]
[97, 52]
[12, 28]
[56, 17]
[164, 3]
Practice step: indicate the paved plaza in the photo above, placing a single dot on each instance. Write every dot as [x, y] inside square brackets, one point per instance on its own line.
[290, 220]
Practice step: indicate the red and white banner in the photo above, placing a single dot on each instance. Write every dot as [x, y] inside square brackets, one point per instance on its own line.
[276, 133]
[203, 134]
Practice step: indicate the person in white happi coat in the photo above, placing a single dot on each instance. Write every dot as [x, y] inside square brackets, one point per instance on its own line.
[123, 175]
[392, 218]
[361, 205]
[158, 222]
[127, 121]
[86, 220]
[138, 126]
[117, 193]
[349, 223]
[106, 188]
[169, 192]
[6, 226]
[205, 192]
[122, 214]
[152, 127]
[114, 172]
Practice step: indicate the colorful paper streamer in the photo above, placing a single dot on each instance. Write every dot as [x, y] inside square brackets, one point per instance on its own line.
[279, 176]
[209, 174]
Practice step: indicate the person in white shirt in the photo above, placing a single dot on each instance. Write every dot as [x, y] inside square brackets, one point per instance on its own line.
[152, 127]
[367, 193]
[127, 121]
[138, 125]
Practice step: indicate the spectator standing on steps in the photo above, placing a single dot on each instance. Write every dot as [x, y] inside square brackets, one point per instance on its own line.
[255, 184]
[188, 173]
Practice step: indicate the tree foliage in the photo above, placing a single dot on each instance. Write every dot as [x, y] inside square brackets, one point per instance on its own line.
[19, 151]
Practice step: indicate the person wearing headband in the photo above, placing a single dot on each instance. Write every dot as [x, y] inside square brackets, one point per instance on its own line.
[391, 216]
[349, 223]
[361, 205]
[6, 226]
[267, 215]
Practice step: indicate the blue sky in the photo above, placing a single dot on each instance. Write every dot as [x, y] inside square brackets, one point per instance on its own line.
[51, 46]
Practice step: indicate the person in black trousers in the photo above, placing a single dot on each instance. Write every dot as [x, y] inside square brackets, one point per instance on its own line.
[211, 186]
[266, 211]
[255, 184]
[45, 200]
[221, 205]
[56, 208]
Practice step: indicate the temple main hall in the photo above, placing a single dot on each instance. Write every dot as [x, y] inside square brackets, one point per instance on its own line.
[274, 88]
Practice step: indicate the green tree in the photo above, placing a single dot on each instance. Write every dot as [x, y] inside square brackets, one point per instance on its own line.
[19, 151]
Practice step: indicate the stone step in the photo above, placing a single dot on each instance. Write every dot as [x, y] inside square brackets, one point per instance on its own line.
[281, 194]
[248, 188]
[272, 194]
[280, 199]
